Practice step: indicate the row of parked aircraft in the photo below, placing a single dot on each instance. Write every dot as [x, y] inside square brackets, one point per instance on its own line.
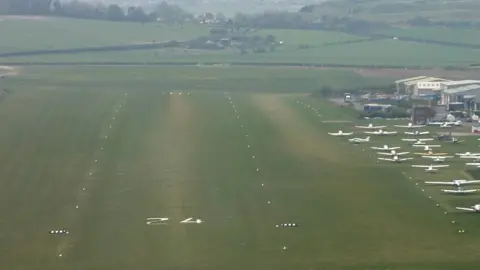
[413, 126]
[392, 154]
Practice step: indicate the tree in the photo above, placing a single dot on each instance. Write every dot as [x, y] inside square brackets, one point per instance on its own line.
[136, 14]
[115, 13]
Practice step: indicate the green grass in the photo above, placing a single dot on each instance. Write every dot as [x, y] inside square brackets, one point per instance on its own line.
[185, 156]
[60, 33]
[381, 53]
[294, 37]
[464, 36]
[254, 79]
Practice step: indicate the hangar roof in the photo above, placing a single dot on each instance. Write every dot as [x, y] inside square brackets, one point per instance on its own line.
[458, 90]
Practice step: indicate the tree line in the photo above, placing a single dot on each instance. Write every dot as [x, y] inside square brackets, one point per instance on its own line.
[78, 9]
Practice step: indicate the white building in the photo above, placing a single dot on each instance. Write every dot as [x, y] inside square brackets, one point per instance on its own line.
[468, 94]
[418, 86]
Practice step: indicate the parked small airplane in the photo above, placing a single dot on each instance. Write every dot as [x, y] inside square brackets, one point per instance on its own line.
[429, 153]
[359, 140]
[474, 158]
[473, 164]
[418, 141]
[395, 159]
[430, 168]
[473, 208]
[456, 183]
[416, 133]
[446, 125]
[459, 191]
[392, 153]
[438, 159]
[410, 125]
[381, 132]
[371, 126]
[467, 154]
[455, 140]
[386, 147]
[341, 133]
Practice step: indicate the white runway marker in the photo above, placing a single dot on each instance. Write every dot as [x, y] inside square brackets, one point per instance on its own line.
[60, 255]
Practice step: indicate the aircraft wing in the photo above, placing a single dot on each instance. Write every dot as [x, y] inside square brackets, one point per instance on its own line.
[424, 132]
[420, 166]
[402, 153]
[465, 209]
[439, 166]
[389, 132]
[473, 164]
[387, 159]
[472, 182]
[405, 159]
[347, 134]
[401, 126]
[409, 140]
[464, 191]
[334, 134]
[417, 126]
[385, 154]
[439, 183]
[426, 139]
[410, 133]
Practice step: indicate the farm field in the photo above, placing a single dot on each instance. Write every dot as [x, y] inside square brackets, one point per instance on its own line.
[49, 33]
[117, 144]
[391, 53]
[465, 36]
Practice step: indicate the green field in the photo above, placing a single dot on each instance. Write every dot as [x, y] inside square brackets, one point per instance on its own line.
[393, 53]
[463, 36]
[117, 144]
[51, 33]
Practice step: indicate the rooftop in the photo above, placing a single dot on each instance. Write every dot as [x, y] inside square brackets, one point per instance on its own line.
[410, 79]
[461, 89]
[453, 83]
[426, 79]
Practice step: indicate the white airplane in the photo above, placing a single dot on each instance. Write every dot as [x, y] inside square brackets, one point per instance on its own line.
[410, 125]
[473, 164]
[435, 123]
[381, 132]
[460, 191]
[341, 133]
[395, 159]
[446, 125]
[427, 147]
[456, 183]
[474, 158]
[371, 126]
[386, 147]
[392, 153]
[437, 159]
[467, 154]
[418, 141]
[473, 208]
[416, 133]
[359, 140]
[430, 168]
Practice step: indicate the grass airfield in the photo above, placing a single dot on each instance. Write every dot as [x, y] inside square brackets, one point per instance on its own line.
[241, 161]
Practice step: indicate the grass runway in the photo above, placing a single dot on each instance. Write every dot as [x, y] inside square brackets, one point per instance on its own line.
[182, 156]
